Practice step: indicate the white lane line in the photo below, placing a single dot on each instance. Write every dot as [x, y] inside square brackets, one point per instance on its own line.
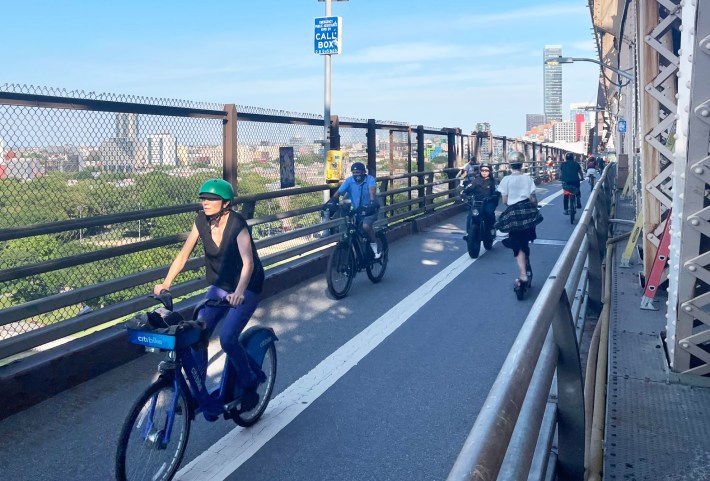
[236, 447]
[549, 198]
[550, 242]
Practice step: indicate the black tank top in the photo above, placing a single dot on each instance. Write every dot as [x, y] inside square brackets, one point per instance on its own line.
[224, 263]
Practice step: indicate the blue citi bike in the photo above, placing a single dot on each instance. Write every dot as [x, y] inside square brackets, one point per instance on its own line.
[155, 433]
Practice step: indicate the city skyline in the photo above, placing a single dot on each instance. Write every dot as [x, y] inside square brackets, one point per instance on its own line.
[394, 65]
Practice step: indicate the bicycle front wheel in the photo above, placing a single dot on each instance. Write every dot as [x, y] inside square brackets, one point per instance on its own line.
[376, 267]
[341, 270]
[154, 435]
[473, 243]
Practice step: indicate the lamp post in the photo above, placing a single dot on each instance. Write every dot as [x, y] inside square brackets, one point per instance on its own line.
[139, 223]
[619, 72]
[80, 209]
[559, 60]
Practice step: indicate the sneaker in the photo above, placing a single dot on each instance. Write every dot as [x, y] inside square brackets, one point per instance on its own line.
[375, 250]
[378, 254]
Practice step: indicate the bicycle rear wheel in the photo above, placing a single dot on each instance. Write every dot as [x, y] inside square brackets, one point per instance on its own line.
[572, 208]
[265, 389]
[145, 451]
[341, 270]
[376, 267]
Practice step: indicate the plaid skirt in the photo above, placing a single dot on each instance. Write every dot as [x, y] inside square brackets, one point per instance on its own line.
[520, 216]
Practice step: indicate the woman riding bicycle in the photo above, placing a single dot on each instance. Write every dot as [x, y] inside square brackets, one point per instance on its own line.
[234, 273]
[483, 187]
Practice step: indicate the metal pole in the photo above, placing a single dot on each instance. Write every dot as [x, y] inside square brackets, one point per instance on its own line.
[326, 107]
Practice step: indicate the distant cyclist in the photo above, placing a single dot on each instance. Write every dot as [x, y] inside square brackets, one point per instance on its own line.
[469, 171]
[362, 191]
[600, 164]
[234, 272]
[591, 173]
[571, 174]
[550, 164]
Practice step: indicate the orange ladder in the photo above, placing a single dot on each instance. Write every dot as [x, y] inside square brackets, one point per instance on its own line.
[659, 263]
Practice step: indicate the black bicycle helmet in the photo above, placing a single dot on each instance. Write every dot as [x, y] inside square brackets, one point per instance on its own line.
[357, 166]
[484, 165]
[569, 156]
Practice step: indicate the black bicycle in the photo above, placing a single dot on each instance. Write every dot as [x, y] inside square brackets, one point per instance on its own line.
[571, 192]
[353, 254]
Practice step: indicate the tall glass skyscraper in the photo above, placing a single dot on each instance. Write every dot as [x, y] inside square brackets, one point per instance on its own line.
[553, 85]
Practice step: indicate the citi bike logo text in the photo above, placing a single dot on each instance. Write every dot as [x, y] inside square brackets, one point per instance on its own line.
[150, 339]
[196, 376]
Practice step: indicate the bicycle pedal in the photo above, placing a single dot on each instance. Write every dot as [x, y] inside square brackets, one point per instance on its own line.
[232, 406]
[166, 366]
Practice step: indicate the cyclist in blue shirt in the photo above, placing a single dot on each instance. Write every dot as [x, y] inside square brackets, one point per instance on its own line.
[362, 191]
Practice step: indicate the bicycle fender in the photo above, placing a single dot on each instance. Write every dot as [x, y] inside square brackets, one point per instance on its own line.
[256, 340]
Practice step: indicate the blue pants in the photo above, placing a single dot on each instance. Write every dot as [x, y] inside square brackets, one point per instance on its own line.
[489, 212]
[235, 319]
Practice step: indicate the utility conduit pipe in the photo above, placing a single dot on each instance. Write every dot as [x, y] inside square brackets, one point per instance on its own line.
[594, 471]
[589, 382]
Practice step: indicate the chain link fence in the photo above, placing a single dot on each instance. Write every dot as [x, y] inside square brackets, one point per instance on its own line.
[98, 191]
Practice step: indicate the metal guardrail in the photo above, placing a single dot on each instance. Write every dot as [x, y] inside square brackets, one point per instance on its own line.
[275, 249]
[513, 435]
[83, 169]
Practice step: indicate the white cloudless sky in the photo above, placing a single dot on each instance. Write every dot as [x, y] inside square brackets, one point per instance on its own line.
[450, 63]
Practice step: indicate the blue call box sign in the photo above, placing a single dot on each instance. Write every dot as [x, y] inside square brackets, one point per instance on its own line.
[621, 125]
[327, 35]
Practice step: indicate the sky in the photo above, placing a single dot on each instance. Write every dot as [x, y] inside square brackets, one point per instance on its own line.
[451, 63]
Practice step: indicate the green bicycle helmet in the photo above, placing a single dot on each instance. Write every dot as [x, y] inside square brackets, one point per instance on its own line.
[217, 189]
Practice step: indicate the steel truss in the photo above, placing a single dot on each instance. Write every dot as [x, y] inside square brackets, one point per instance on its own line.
[688, 327]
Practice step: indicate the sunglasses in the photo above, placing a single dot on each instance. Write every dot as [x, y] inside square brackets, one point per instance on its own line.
[485, 170]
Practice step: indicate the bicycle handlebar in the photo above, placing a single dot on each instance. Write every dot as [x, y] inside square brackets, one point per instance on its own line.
[165, 297]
